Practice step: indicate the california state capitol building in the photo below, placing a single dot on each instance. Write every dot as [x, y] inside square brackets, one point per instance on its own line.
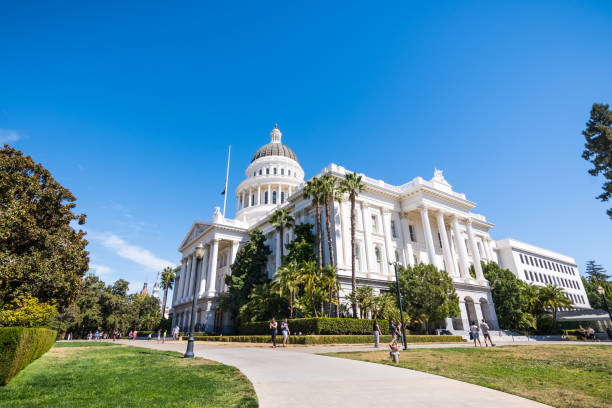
[423, 220]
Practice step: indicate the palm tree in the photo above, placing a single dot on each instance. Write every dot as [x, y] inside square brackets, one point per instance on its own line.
[553, 296]
[309, 276]
[287, 283]
[352, 185]
[531, 294]
[383, 305]
[281, 219]
[328, 190]
[167, 281]
[329, 281]
[313, 191]
[365, 297]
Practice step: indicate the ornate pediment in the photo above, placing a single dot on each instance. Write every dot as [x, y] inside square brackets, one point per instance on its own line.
[196, 229]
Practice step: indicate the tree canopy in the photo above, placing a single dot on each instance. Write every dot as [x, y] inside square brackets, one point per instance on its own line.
[40, 253]
[598, 147]
[507, 293]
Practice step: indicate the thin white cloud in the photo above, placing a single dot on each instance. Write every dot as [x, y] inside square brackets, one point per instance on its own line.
[9, 136]
[101, 269]
[131, 252]
[135, 287]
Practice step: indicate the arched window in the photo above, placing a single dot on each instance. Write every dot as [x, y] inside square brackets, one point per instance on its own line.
[274, 197]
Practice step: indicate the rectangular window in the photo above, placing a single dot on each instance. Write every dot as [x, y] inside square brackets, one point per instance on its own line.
[260, 172]
[393, 231]
[521, 256]
[537, 278]
[282, 196]
[531, 275]
[374, 225]
[540, 262]
[275, 170]
[274, 197]
[282, 172]
[288, 172]
[526, 275]
[531, 261]
[396, 256]
[412, 236]
[268, 171]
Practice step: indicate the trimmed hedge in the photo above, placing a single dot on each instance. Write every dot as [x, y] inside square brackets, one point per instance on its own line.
[339, 339]
[19, 346]
[319, 325]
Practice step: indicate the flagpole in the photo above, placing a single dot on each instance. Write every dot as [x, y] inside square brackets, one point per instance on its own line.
[229, 152]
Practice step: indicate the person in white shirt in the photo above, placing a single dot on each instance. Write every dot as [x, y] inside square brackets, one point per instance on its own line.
[484, 327]
[474, 333]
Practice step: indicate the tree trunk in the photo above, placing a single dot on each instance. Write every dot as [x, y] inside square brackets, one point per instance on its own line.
[353, 276]
[165, 298]
[329, 306]
[314, 306]
[319, 235]
[328, 228]
[290, 305]
[280, 232]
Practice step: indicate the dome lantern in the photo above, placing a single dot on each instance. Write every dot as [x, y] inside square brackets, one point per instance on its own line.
[275, 135]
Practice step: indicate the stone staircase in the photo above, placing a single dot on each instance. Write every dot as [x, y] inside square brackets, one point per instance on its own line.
[496, 335]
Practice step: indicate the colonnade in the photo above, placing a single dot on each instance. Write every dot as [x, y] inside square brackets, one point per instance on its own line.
[273, 193]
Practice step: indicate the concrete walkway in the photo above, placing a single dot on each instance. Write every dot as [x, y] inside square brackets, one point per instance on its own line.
[288, 378]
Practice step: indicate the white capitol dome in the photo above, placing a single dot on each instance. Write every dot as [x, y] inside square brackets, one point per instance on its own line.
[273, 175]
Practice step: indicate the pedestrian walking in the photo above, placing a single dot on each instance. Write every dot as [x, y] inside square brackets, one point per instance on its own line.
[158, 335]
[273, 331]
[149, 336]
[175, 333]
[164, 337]
[97, 335]
[474, 334]
[69, 336]
[376, 332]
[285, 331]
[134, 335]
[484, 327]
[392, 330]
[399, 333]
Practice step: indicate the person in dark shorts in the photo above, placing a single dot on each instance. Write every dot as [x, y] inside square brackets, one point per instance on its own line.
[273, 331]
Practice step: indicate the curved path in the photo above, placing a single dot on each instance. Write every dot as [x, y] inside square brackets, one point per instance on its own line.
[286, 378]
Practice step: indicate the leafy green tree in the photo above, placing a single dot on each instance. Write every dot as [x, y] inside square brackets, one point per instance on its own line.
[506, 291]
[595, 299]
[280, 220]
[167, 281]
[68, 319]
[248, 270]
[352, 185]
[385, 307]
[263, 304]
[147, 312]
[596, 272]
[301, 249]
[40, 253]
[89, 303]
[428, 294]
[330, 283]
[598, 147]
[314, 191]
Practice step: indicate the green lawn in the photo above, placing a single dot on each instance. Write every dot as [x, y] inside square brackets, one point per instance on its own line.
[121, 376]
[561, 376]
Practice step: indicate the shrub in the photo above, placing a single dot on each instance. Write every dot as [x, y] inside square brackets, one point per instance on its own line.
[27, 311]
[319, 325]
[19, 346]
[327, 339]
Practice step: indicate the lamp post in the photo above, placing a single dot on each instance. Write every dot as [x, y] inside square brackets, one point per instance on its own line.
[602, 292]
[199, 254]
[399, 300]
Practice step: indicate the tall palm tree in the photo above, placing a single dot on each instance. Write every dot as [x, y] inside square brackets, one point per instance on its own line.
[352, 185]
[281, 219]
[328, 190]
[309, 276]
[553, 296]
[365, 297]
[329, 281]
[167, 281]
[287, 283]
[313, 191]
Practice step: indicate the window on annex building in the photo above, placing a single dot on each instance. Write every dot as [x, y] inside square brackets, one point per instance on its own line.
[521, 256]
[393, 230]
[531, 275]
[412, 234]
[526, 274]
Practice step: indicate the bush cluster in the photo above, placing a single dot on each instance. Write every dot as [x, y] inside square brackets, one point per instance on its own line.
[331, 339]
[19, 346]
[319, 325]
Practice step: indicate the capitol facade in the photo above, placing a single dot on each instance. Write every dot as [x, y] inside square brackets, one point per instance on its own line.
[419, 221]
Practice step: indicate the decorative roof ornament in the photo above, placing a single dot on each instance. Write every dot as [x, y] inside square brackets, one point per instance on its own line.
[439, 178]
[156, 286]
[275, 135]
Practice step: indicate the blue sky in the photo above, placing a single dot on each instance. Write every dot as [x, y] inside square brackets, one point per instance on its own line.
[132, 108]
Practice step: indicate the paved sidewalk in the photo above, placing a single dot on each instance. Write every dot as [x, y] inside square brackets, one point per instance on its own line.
[289, 378]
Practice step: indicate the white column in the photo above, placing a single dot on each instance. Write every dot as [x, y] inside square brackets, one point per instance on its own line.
[250, 203]
[448, 259]
[242, 200]
[386, 221]
[212, 268]
[269, 193]
[428, 237]
[338, 238]
[233, 253]
[186, 278]
[475, 253]
[174, 291]
[487, 244]
[369, 250]
[203, 271]
[407, 242]
[179, 287]
[460, 244]
[345, 211]
[278, 194]
[191, 281]
[258, 194]
[402, 242]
